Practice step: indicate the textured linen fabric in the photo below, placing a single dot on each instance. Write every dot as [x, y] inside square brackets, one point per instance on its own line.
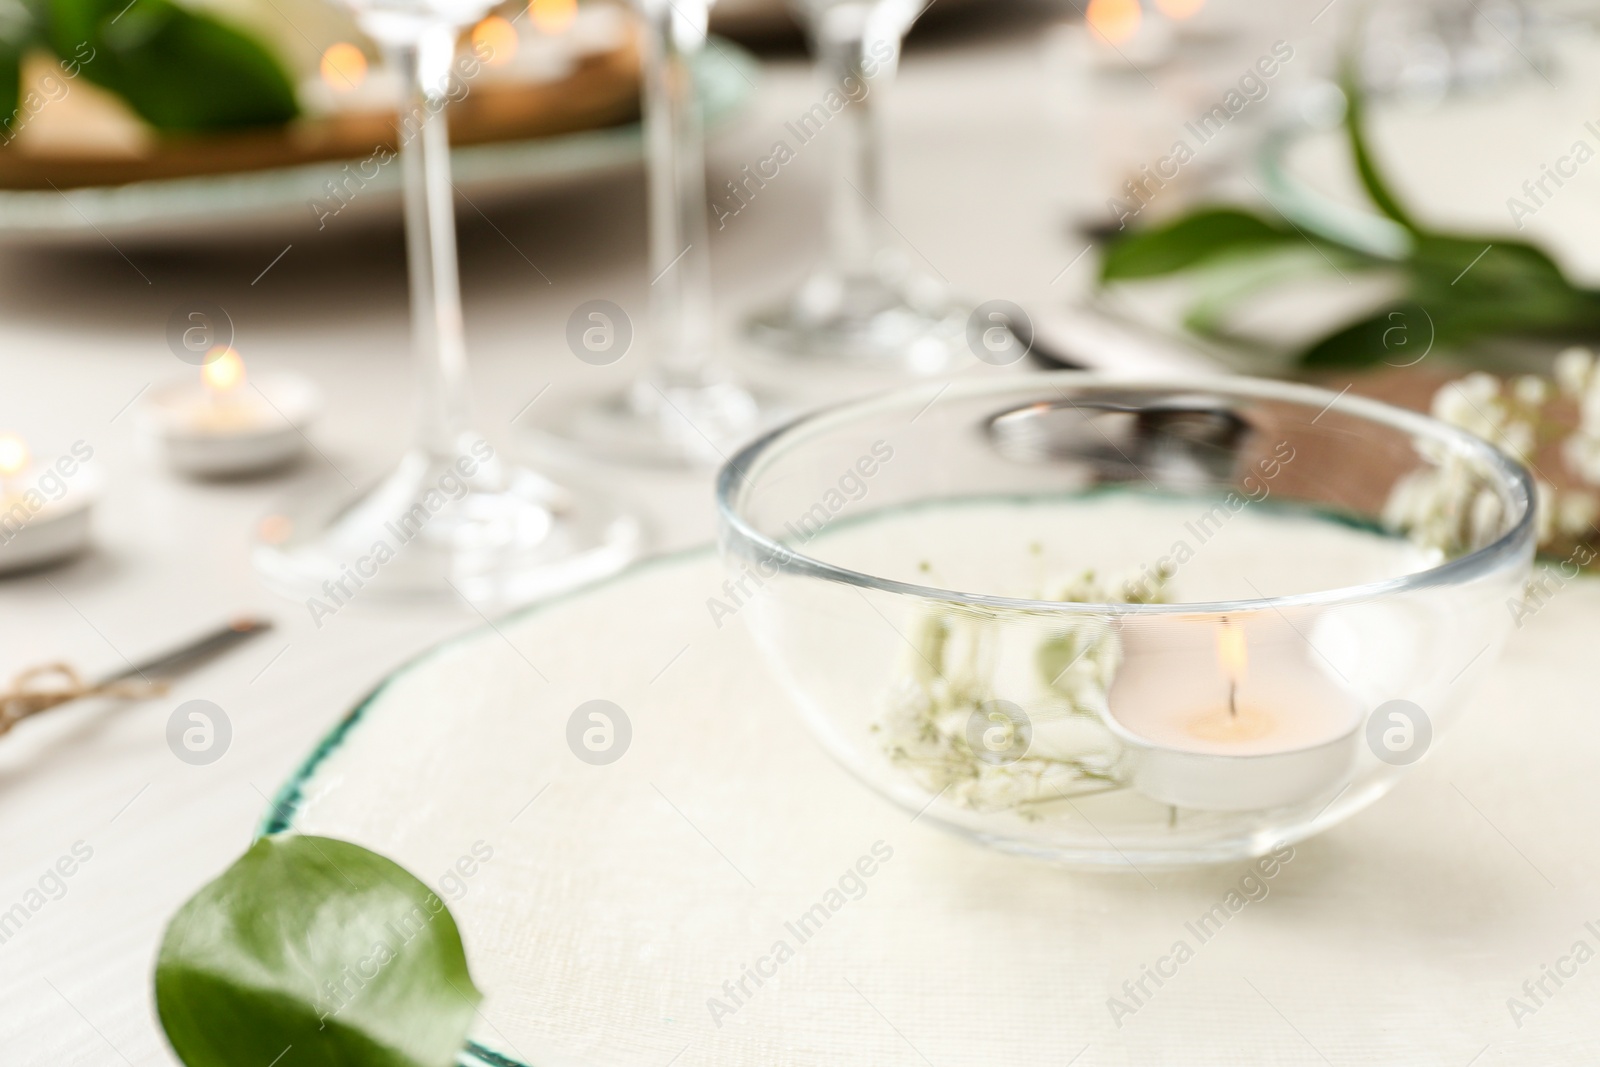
[619, 899]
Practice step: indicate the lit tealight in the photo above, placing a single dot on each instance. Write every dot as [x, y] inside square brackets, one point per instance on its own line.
[230, 422]
[552, 16]
[223, 373]
[495, 39]
[1115, 21]
[1283, 733]
[47, 520]
[344, 67]
[14, 455]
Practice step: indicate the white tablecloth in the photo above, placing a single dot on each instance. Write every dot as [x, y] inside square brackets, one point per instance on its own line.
[979, 178]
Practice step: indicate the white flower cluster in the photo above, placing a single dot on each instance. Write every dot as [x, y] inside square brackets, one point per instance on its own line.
[1449, 507]
[946, 723]
[1577, 377]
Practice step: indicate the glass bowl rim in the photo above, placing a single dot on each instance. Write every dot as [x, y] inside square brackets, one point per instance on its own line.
[737, 533]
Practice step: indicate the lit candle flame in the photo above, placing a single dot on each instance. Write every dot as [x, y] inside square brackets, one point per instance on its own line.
[344, 67]
[1178, 10]
[1113, 20]
[552, 16]
[13, 454]
[223, 373]
[1231, 656]
[495, 39]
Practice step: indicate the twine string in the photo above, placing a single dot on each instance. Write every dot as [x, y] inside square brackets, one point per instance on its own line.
[50, 684]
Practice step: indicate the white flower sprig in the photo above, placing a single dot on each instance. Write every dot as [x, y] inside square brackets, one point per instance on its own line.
[1449, 507]
[949, 691]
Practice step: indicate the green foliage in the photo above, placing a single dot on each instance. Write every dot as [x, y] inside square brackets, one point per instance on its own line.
[320, 945]
[1195, 239]
[1457, 288]
[181, 71]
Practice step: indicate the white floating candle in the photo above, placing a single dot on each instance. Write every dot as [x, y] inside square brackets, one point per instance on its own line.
[1205, 729]
[44, 509]
[227, 424]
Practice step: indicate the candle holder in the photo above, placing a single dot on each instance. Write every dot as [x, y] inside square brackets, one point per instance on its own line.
[1111, 622]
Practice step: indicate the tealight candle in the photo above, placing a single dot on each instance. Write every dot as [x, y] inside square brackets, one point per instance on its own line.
[1204, 729]
[227, 425]
[44, 508]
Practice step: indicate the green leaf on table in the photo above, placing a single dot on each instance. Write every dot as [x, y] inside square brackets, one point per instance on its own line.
[319, 945]
[180, 70]
[1190, 241]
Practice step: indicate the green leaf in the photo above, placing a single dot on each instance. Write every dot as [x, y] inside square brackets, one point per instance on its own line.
[1355, 125]
[1190, 241]
[178, 69]
[319, 945]
[1401, 334]
[1499, 284]
[10, 89]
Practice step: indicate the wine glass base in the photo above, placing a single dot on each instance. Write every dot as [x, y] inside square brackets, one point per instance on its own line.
[867, 322]
[500, 535]
[651, 426]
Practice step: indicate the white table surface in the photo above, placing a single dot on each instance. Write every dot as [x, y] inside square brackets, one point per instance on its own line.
[980, 172]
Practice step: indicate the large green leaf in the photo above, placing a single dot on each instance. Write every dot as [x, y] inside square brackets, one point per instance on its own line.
[1204, 235]
[319, 946]
[180, 70]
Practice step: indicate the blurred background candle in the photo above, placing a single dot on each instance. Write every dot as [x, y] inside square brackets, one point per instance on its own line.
[227, 425]
[44, 508]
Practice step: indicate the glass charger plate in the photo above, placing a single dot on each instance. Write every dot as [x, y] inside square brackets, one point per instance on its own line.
[721, 893]
[279, 200]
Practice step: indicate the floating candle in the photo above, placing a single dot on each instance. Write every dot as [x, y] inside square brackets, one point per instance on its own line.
[1205, 731]
[228, 424]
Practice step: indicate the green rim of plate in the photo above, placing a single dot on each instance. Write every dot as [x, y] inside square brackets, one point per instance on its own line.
[286, 802]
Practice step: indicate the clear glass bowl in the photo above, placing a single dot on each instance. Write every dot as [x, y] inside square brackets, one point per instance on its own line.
[1112, 622]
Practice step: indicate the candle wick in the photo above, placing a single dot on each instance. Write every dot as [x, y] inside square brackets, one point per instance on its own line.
[1233, 698]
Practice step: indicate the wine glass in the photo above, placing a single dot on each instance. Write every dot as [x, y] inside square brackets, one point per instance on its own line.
[454, 515]
[866, 303]
[682, 411]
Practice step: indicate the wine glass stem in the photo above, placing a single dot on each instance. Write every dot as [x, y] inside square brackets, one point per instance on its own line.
[853, 234]
[680, 264]
[438, 334]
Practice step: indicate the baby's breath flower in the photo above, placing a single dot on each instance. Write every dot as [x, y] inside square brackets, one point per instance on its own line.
[1582, 453]
[1573, 370]
[1447, 507]
[951, 676]
[1519, 439]
[1530, 391]
[1576, 511]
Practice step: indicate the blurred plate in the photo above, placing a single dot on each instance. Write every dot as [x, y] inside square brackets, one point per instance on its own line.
[284, 198]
